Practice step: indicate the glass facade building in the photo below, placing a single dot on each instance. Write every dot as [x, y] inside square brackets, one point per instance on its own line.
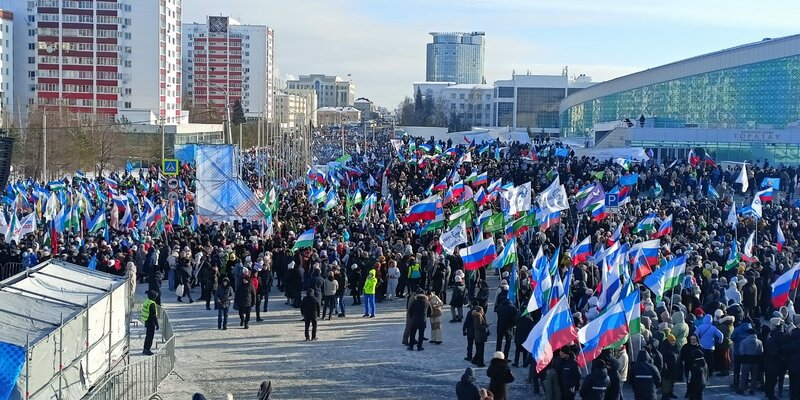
[455, 57]
[741, 103]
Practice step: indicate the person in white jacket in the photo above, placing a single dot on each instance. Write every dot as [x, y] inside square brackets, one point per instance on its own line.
[393, 274]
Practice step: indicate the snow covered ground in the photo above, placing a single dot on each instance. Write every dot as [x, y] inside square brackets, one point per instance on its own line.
[354, 358]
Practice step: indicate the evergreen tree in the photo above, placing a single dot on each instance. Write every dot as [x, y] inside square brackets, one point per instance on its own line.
[237, 113]
[419, 108]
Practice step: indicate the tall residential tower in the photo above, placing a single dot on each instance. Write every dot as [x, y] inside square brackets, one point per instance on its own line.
[227, 61]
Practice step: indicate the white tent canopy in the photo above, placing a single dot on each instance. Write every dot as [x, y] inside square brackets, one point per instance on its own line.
[58, 313]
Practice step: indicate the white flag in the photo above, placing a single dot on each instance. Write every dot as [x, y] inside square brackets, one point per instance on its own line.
[454, 237]
[3, 223]
[554, 198]
[27, 225]
[397, 143]
[756, 205]
[743, 178]
[732, 218]
[519, 198]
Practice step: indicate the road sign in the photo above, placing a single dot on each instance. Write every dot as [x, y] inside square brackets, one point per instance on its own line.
[612, 200]
[169, 166]
[172, 183]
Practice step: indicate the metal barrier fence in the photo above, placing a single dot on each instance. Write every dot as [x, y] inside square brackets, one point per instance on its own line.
[140, 379]
[10, 269]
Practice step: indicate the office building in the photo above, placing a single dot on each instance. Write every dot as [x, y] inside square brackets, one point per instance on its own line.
[366, 107]
[226, 62]
[736, 104]
[107, 57]
[531, 101]
[471, 103]
[331, 91]
[455, 57]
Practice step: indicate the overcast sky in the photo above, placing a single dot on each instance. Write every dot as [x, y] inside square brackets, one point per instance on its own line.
[381, 43]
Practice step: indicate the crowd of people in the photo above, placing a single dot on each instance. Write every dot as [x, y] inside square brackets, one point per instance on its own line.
[720, 319]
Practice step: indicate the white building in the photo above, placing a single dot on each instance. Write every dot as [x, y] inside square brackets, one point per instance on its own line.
[99, 57]
[290, 110]
[226, 61]
[471, 103]
[338, 115]
[6, 61]
[310, 113]
[332, 91]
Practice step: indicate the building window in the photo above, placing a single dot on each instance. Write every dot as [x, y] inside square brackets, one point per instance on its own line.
[505, 92]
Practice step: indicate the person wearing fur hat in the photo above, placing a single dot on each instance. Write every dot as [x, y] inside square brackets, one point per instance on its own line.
[722, 352]
[499, 376]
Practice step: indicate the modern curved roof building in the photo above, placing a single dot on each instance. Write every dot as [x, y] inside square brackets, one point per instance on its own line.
[739, 103]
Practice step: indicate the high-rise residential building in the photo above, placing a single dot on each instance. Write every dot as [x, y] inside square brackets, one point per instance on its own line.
[6, 60]
[107, 57]
[226, 62]
[455, 57]
[332, 91]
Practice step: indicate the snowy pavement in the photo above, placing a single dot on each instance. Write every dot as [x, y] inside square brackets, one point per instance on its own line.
[354, 358]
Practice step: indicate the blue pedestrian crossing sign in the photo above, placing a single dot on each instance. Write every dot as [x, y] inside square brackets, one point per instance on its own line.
[612, 200]
[169, 166]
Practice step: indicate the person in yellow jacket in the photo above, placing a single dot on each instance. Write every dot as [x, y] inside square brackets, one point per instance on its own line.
[369, 294]
[150, 318]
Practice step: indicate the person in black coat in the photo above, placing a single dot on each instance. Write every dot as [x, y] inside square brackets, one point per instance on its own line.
[596, 384]
[646, 377]
[613, 367]
[506, 320]
[672, 367]
[792, 349]
[183, 273]
[418, 312]
[569, 376]
[499, 376]
[697, 377]
[244, 300]
[292, 285]
[775, 353]
[467, 388]
[309, 308]
[468, 330]
[524, 326]
[457, 300]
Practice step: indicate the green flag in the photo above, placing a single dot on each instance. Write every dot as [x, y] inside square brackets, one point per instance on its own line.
[456, 218]
[494, 223]
[469, 204]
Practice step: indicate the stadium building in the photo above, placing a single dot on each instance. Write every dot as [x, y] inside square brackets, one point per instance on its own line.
[737, 104]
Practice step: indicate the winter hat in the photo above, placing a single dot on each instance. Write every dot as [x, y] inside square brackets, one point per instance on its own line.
[718, 314]
[459, 273]
[671, 338]
[499, 355]
[775, 322]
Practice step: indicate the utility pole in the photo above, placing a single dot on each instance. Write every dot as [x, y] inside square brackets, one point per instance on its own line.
[163, 137]
[44, 145]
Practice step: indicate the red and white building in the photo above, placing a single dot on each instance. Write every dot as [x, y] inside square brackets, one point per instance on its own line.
[112, 57]
[226, 61]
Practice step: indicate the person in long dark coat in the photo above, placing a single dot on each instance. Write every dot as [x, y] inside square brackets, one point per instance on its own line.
[499, 376]
[419, 311]
[244, 300]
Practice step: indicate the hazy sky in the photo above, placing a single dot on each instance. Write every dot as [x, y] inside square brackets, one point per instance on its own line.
[382, 42]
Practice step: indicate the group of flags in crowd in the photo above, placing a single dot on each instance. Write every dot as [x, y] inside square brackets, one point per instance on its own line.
[89, 206]
[621, 265]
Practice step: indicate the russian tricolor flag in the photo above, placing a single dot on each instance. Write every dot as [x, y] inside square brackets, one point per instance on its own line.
[458, 189]
[481, 180]
[478, 255]
[424, 210]
[442, 185]
[766, 194]
[780, 238]
[582, 251]
[554, 331]
[665, 228]
[649, 250]
[603, 331]
[784, 285]
[550, 220]
[480, 198]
